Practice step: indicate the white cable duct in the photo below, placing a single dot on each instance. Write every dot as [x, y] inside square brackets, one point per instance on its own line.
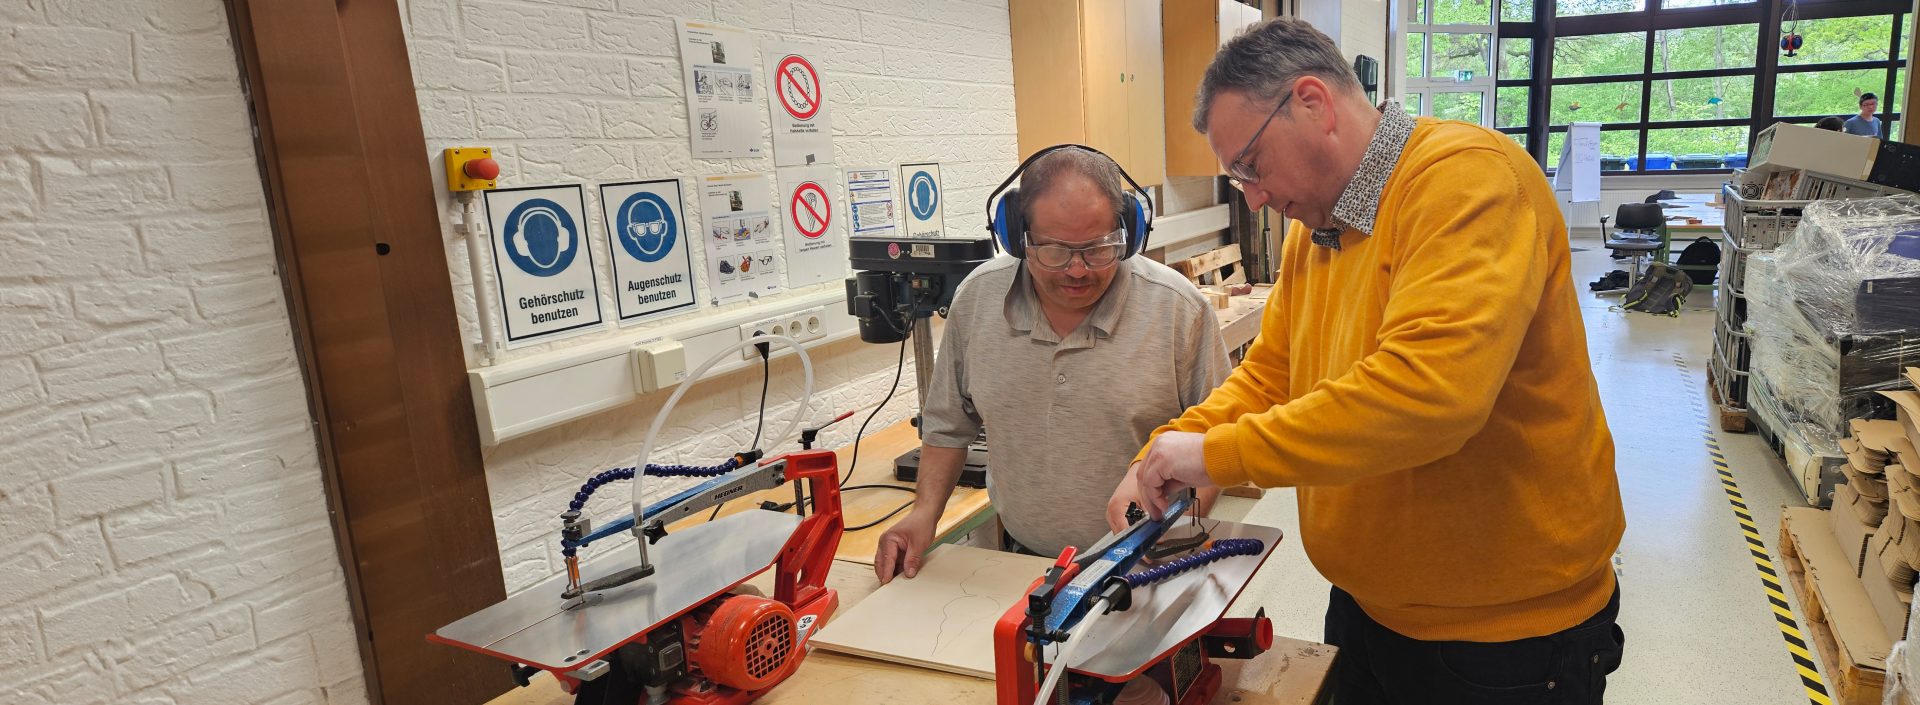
[659, 420]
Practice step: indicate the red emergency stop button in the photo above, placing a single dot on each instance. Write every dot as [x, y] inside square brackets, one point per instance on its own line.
[484, 168]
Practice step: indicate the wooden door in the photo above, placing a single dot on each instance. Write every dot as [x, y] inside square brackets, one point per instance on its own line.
[358, 239]
[1103, 36]
[1048, 86]
[1146, 105]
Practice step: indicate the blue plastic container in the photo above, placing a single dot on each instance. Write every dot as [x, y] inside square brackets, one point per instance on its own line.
[1697, 161]
[1659, 160]
[1736, 161]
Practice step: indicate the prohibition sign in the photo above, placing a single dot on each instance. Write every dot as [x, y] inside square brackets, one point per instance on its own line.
[813, 223]
[799, 88]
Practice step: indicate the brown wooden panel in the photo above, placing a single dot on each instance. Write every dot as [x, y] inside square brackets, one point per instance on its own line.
[1047, 77]
[346, 168]
[1191, 37]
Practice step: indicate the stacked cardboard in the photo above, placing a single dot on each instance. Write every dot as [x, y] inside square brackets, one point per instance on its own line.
[1882, 456]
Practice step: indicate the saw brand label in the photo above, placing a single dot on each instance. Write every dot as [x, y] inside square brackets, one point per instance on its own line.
[730, 491]
[543, 262]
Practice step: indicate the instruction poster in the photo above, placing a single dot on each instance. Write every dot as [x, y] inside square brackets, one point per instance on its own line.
[921, 185]
[647, 243]
[816, 243]
[722, 111]
[741, 237]
[802, 131]
[870, 201]
[542, 262]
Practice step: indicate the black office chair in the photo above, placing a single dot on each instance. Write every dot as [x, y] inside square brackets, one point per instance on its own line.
[1641, 233]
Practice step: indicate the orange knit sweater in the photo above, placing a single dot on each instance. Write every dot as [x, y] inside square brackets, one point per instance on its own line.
[1428, 390]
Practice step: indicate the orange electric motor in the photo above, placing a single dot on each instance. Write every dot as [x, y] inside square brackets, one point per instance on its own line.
[744, 642]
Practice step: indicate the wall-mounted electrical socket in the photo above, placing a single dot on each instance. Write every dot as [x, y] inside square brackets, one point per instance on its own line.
[804, 326]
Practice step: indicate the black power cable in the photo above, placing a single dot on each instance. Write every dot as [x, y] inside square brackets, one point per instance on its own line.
[899, 369]
[878, 521]
[766, 374]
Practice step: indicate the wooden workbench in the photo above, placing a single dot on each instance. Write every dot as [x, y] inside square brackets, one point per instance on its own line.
[966, 510]
[1292, 673]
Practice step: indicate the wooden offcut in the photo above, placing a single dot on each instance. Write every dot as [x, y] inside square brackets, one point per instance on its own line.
[942, 618]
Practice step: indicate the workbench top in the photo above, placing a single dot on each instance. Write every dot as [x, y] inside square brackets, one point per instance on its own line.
[1292, 673]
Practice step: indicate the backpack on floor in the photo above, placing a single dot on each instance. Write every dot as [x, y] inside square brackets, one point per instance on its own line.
[1662, 289]
[1701, 260]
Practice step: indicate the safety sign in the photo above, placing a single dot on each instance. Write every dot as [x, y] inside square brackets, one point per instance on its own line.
[802, 132]
[870, 201]
[717, 62]
[652, 263]
[543, 263]
[740, 236]
[921, 183]
[816, 249]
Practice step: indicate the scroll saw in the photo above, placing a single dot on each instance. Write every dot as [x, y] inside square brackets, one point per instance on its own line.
[670, 626]
[1092, 624]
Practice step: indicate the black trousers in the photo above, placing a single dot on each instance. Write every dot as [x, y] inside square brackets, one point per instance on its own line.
[1377, 666]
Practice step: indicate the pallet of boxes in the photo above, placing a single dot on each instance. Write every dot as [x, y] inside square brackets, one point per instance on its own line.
[1854, 567]
[1834, 318]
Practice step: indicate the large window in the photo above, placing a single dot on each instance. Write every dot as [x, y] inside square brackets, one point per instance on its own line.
[1685, 84]
[1451, 58]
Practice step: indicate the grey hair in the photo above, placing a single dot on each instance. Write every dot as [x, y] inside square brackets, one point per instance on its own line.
[1045, 174]
[1264, 61]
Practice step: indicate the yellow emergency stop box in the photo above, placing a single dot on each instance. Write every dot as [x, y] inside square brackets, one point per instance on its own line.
[481, 177]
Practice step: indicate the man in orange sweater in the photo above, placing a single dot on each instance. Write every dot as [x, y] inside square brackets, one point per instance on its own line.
[1422, 377]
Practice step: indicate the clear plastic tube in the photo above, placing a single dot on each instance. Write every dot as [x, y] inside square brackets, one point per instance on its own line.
[653, 432]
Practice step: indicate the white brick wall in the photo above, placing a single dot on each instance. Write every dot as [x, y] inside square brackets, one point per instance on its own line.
[590, 90]
[163, 533]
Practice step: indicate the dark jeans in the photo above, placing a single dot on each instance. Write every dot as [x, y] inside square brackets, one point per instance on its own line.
[1378, 666]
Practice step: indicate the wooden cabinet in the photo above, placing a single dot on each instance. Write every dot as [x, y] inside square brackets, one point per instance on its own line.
[1195, 30]
[1089, 72]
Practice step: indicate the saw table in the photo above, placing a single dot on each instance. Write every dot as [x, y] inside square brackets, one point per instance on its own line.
[1292, 673]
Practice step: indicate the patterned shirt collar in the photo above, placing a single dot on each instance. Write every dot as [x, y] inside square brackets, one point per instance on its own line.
[1360, 201]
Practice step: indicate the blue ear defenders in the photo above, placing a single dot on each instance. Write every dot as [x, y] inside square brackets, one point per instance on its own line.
[1009, 226]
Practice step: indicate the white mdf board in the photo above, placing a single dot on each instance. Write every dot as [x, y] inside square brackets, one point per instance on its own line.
[941, 619]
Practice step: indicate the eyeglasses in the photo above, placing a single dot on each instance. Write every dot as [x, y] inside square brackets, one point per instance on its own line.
[1239, 172]
[651, 228]
[1100, 255]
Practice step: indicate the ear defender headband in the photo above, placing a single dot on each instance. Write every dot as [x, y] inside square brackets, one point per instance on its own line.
[518, 243]
[1009, 225]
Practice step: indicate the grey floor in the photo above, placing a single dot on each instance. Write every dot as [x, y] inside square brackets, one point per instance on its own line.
[1698, 625]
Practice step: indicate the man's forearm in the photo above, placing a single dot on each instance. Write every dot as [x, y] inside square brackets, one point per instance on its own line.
[939, 474]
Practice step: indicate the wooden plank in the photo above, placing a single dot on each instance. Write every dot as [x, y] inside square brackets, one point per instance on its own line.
[964, 510]
[358, 234]
[943, 618]
[1202, 265]
[1293, 672]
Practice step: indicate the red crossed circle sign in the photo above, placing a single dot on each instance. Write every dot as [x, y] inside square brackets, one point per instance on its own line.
[799, 87]
[811, 218]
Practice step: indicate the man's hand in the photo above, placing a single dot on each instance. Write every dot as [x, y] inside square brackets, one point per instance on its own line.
[904, 546]
[1127, 492]
[1176, 460]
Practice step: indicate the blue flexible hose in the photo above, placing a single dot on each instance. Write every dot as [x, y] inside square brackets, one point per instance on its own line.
[1223, 548]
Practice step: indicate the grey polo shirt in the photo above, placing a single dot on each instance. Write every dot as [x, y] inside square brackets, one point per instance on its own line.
[1065, 416]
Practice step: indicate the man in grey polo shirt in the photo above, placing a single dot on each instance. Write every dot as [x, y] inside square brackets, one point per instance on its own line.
[1072, 356]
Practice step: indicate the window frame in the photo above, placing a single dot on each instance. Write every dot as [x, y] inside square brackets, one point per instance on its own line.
[1546, 27]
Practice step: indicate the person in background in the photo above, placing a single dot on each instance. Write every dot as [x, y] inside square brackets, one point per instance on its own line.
[1071, 356]
[1865, 124]
[1422, 377]
[1830, 123]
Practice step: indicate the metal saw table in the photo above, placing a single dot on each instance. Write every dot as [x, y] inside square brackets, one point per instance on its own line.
[1293, 672]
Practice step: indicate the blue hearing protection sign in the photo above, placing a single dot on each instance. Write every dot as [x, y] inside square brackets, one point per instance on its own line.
[921, 184]
[542, 263]
[652, 263]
